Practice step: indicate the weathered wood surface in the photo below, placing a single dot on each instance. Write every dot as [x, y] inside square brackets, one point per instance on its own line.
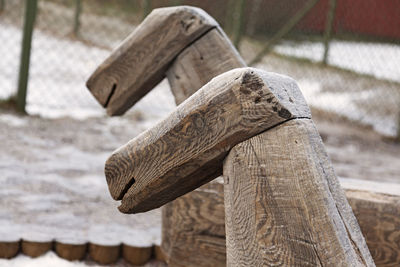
[194, 228]
[35, 249]
[9, 249]
[71, 252]
[191, 236]
[231, 108]
[379, 217]
[104, 254]
[208, 57]
[284, 205]
[376, 206]
[136, 255]
[158, 253]
[140, 63]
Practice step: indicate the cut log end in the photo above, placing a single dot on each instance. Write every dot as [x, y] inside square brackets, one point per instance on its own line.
[9, 250]
[35, 249]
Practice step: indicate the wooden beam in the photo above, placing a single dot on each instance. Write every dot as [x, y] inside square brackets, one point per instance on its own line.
[231, 108]
[208, 57]
[377, 208]
[141, 61]
[191, 236]
[284, 205]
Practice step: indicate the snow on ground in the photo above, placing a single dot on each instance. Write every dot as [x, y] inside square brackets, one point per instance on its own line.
[60, 67]
[377, 59]
[50, 259]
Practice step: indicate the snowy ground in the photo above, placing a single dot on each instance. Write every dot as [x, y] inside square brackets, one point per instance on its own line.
[375, 59]
[60, 67]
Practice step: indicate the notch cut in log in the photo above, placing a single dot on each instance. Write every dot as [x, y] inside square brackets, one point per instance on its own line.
[230, 109]
[141, 61]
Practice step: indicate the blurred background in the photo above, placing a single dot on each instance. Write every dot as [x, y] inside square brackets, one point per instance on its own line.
[344, 54]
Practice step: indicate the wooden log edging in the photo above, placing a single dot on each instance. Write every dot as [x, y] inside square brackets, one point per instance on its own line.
[79, 251]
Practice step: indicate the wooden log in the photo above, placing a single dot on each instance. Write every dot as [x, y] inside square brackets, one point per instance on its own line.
[188, 238]
[377, 208]
[284, 205]
[71, 251]
[231, 108]
[9, 249]
[103, 254]
[159, 253]
[194, 228]
[35, 249]
[136, 255]
[208, 57]
[140, 63]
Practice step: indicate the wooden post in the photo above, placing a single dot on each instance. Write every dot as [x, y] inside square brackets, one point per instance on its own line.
[284, 205]
[328, 29]
[29, 21]
[77, 15]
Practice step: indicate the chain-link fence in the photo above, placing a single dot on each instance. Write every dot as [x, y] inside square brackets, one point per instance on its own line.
[345, 54]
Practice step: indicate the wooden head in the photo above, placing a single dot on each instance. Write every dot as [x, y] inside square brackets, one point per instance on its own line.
[141, 61]
[187, 149]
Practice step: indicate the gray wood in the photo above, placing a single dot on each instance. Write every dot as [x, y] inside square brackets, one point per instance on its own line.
[193, 226]
[284, 205]
[231, 108]
[141, 61]
[379, 217]
[208, 57]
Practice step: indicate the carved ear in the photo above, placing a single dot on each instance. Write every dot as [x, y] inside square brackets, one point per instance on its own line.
[187, 149]
[141, 61]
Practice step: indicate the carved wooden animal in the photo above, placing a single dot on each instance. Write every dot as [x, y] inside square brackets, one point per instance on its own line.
[283, 203]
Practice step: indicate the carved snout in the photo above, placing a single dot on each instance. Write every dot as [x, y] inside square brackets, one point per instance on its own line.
[187, 149]
[141, 61]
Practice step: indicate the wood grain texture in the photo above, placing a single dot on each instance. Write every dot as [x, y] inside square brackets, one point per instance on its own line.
[9, 250]
[208, 57]
[104, 254]
[158, 253]
[71, 252]
[379, 217]
[136, 255]
[194, 228]
[141, 61]
[284, 205]
[35, 249]
[189, 237]
[231, 108]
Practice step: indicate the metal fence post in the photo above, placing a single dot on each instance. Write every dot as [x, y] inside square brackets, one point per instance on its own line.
[146, 8]
[29, 21]
[238, 19]
[77, 15]
[2, 4]
[328, 29]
